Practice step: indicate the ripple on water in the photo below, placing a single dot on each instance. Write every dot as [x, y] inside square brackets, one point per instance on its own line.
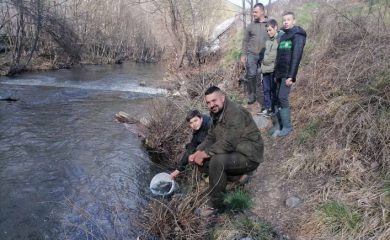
[66, 166]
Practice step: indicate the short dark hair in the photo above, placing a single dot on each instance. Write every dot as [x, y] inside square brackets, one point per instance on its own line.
[289, 13]
[193, 113]
[260, 5]
[272, 23]
[211, 90]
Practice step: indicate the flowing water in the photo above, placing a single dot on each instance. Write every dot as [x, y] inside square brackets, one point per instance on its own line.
[67, 170]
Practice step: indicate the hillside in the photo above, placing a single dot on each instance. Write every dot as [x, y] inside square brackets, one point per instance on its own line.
[330, 178]
[337, 160]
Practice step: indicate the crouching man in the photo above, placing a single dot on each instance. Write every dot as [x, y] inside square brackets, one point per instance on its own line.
[233, 145]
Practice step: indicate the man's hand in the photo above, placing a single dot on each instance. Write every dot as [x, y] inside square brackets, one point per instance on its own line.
[191, 158]
[174, 174]
[289, 82]
[243, 59]
[198, 157]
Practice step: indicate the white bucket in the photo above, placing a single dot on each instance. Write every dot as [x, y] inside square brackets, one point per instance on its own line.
[163, 185]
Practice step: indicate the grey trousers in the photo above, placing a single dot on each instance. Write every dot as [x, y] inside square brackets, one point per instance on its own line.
[252, 65]
[282, 93]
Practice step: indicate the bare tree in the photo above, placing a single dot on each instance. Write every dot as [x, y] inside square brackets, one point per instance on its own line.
[187, 23]
[73, 31]
[244, 13]
[251, 10]
[269, 7]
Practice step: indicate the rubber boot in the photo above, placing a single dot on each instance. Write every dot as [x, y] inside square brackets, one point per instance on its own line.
[285, 115]
[251, 84]
[275, 118]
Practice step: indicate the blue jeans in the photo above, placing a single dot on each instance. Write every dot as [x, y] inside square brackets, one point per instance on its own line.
[269, 90]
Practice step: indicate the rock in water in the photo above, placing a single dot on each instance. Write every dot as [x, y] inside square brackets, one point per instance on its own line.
[123, 117]
[8, 99]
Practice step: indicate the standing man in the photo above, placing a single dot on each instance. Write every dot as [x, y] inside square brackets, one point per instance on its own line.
[233, 145]
[253, 47]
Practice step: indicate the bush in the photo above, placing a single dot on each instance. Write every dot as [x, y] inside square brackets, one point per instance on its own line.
[308, 132]
[340, 217]
[257, 229]
[175, 218]
[237, 200]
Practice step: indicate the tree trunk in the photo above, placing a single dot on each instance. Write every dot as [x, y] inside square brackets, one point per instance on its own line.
[243, 13]
[269, 8]
[183, 51]
[38, 24]
[20, 34]
[251, 11]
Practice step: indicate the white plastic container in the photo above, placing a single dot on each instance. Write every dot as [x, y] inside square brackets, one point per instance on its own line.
[163, 185]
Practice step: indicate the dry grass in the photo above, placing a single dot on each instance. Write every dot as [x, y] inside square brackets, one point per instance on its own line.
[242, 226]
[166, 126]
[167, 133]
[344, 90]
[167, 130]
[175, 218]
[340, 110]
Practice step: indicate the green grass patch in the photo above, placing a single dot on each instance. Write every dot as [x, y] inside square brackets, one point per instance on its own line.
[255, 229]
[232, 51]
[236, 97]
[305, 14]
[386, 191]
[380, 84]
[309, 131]
[241, 226]
[371, 6]
[237, 200]
[235, 55]
[386, 185]
[339, 216]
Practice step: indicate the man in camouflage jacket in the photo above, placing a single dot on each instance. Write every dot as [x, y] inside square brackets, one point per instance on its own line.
[233, 145]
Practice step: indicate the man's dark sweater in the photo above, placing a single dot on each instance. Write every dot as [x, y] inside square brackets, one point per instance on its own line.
[290, 52]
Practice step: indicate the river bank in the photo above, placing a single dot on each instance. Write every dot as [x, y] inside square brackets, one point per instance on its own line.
[329, 179]
[69, 170]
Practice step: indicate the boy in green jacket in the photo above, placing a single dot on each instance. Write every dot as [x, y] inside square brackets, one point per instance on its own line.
[268, 65]
[289, 56]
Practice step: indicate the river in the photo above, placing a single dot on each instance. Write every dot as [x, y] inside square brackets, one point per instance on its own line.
[67, 170]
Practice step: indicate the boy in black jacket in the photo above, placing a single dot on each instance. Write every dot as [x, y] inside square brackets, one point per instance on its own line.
[200, 124]
[288, 58]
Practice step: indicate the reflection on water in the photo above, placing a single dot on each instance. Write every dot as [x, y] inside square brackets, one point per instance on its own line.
[67, 170]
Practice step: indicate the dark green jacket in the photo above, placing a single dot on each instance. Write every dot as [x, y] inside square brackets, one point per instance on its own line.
[271, 49]
[254, 38]
[234, 130]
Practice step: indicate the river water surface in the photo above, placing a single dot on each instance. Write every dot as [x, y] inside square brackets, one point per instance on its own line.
[67, 170]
